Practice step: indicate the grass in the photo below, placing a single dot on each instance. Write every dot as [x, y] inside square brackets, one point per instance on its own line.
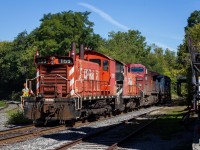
[3, 103]
[170, 124]
[180, 102]
[169, 127]
[166, 126]
[16, 116]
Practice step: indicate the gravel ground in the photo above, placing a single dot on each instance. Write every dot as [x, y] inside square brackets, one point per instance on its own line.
[54, 140]
[148, 142]
[4, 116]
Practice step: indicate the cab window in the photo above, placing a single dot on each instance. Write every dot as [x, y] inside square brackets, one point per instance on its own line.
[98, 61]
[105, 65]
[137, 69]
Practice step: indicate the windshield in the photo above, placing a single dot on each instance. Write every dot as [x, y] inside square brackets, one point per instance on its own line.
[137, 69]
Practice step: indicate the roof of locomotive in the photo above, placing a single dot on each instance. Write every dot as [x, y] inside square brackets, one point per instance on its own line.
[92, 52]
[153, 73]
[120, 62]
[136, 65]
[102, 55]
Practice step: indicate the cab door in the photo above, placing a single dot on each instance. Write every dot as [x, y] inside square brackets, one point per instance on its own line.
[105, 77]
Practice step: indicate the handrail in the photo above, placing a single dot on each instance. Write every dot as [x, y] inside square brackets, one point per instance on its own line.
[42, 75]
[47, 75]
[62, 77]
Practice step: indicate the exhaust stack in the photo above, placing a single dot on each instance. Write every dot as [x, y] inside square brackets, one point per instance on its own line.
[73, 51]
[81, 51]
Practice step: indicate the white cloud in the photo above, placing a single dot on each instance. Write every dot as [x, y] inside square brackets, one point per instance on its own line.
[104, 16]
[165, 46]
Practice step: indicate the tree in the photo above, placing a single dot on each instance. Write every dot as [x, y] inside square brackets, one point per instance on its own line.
[192, 31]
[129, 47]
[154, 61]
[194, 34]
[57, 31]
[193, 19]
[9, 75]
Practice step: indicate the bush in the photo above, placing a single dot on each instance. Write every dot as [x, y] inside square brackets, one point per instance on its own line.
[3, 103]
[15, 96]
[17, 117]
[180, 102]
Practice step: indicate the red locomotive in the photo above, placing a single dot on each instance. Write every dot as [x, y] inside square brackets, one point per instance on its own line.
[153, 86]
[89, 83]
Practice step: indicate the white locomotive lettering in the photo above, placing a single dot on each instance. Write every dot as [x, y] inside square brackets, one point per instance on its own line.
[88, 74]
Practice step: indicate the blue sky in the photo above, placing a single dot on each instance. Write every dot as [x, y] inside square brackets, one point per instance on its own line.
[161, 21]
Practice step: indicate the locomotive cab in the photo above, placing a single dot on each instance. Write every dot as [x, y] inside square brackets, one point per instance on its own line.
[141, 75]
[146, 83]
[72, 87]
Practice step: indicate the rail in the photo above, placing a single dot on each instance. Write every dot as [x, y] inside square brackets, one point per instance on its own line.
[27, 132]
[110, 131]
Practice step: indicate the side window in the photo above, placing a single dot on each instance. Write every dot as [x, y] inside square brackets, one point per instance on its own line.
[105, 65]
[98, 61]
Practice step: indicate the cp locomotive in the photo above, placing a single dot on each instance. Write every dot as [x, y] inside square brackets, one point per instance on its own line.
[89, 83]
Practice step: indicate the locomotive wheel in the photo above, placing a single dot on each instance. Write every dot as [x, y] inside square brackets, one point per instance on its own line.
[38, 123]
[70, 123]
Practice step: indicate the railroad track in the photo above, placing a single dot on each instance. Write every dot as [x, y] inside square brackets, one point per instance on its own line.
[23, 133]
[14, 135]
[13, 130]
[134, 132]
[112, 136]
[30, 132]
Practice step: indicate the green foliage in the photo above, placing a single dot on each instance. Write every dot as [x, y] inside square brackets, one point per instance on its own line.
[57, 31]
[17, 117]
[164, 62]
[194, 34]
[2, 103]
[192, 31]
[123, 45]
[15, 96]
[8, 67]
[16, 64]
[193, 19]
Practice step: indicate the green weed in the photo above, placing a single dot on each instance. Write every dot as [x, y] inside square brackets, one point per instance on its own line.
[3, 103]
[17, 117]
